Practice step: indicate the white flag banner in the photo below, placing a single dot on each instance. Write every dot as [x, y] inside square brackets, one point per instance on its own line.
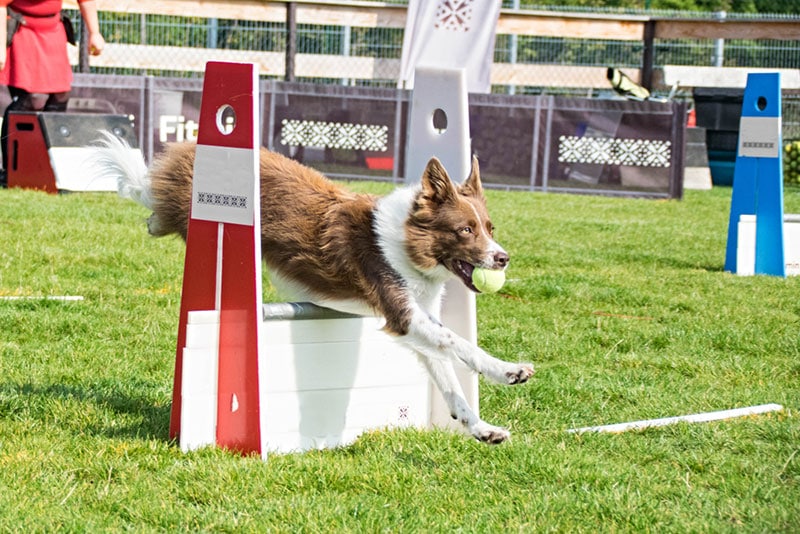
[452, 34]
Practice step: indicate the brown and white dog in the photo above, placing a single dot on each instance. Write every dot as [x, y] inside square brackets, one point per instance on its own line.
[389, 256]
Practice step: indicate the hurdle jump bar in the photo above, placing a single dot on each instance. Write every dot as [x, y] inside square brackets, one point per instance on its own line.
[297, 311]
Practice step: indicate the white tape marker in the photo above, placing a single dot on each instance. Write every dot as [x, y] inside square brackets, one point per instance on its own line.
[695, 418]
[50, 297]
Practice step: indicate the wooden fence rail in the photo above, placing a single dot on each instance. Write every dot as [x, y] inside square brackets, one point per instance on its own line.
[645, 29]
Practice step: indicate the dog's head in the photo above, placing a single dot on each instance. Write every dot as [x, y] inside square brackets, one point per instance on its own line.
[450, 228]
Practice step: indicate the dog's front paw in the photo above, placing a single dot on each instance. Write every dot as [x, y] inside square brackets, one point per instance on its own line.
[489, 434]
[509, 373]
[521, 374]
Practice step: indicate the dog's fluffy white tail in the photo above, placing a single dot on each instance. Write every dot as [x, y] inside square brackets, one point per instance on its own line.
[114, 157]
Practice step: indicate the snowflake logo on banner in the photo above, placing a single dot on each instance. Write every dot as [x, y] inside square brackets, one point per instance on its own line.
[454, 15]
[292, 133]
[656, 154]
[346, 136]
[628, 152]
[599, 150]
[613, 151]
[375, 137]
[320, 133]
[569, 148]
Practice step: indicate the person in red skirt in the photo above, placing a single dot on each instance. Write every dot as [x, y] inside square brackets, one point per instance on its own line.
[35, 66]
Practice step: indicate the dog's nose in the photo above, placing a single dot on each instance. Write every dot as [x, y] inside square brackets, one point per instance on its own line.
[501, 259]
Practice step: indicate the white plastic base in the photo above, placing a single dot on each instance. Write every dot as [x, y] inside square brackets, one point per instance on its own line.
[74, 170]
[746, 246]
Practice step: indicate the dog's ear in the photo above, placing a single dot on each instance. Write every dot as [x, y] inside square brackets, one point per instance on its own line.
[436, 184]
[472, 186]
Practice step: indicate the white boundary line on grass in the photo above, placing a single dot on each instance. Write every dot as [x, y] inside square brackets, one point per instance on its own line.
[694, 418]
[49, 297]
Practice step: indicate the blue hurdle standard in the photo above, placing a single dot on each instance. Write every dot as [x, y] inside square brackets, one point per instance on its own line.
[758, 175]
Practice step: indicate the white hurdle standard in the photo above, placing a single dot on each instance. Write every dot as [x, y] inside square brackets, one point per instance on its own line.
[439, 126]
[261, 378]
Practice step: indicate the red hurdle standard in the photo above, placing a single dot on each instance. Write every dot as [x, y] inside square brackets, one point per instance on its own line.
[222, 272]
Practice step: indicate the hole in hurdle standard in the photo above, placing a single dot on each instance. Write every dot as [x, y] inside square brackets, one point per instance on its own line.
[761, 103]
[226, 119]
[439, 120]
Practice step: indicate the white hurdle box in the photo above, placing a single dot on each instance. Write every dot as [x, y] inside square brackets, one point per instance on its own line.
[746, 245]
[325, 378]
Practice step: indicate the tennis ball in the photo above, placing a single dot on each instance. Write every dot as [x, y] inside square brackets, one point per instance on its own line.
[488, 281]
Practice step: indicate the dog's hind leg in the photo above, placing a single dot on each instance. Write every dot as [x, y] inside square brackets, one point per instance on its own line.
[444, 376]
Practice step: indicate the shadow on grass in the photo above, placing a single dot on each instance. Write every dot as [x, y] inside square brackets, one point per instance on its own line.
[669, 262]
[110, 409]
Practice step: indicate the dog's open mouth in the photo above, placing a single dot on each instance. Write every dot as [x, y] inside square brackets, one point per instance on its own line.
[463, 270]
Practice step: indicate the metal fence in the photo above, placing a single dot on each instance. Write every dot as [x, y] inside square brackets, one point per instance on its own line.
[178, 46]
[533, 143]
[386, 43]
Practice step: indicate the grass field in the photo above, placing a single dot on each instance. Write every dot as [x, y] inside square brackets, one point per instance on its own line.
[622, 304]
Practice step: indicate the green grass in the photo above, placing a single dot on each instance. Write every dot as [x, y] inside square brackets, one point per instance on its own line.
[622, 304]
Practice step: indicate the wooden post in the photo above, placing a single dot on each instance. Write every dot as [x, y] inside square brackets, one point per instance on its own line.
[291, 40]
[83, 48]
[648, 55]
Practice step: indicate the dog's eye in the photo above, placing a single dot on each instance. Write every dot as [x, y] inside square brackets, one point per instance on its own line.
[466, 230]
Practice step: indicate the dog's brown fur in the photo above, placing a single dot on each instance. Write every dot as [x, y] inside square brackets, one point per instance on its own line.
[316, 233]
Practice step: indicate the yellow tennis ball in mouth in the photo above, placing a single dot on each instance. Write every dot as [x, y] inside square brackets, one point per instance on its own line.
[488, 281]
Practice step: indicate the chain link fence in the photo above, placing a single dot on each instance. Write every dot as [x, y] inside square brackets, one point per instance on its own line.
[178, 46]
[386, 43]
